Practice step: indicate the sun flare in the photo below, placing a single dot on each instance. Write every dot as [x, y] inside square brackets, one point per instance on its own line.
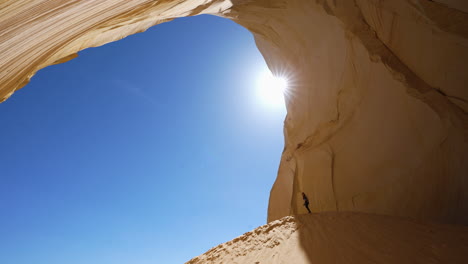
[271, 89]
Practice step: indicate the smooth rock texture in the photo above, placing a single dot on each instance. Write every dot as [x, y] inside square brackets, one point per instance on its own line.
[343, 238]
[378, 94]
[377, 113]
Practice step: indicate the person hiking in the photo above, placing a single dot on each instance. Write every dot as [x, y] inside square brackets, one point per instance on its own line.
[306, 202]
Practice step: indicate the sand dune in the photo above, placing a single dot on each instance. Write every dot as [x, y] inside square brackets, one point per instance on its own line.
[344, 238]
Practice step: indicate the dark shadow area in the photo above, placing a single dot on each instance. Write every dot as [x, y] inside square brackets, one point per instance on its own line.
[352, 237]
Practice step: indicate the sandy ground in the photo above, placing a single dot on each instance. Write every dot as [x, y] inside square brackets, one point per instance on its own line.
[344, 238]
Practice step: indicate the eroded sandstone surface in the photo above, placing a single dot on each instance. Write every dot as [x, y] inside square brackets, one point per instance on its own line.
[376, 119]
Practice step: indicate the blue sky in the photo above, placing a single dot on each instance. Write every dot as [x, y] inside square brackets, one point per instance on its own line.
[152, 149]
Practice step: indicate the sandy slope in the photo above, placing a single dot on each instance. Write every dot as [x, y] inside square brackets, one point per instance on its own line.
[344, 238]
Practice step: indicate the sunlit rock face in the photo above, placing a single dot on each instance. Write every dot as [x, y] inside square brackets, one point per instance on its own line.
[38, 33]
[378, 91]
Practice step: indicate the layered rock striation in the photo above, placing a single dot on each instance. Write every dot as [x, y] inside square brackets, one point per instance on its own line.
[377, 104]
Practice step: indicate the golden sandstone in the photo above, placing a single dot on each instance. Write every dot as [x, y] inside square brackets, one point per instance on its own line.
[376, 122]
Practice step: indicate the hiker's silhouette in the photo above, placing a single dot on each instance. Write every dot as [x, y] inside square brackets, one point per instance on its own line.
[306, 202]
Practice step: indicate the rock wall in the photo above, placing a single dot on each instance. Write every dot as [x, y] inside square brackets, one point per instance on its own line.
[377, 114]
[378, 92]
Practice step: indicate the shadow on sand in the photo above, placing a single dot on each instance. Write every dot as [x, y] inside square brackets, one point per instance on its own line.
[351, 237]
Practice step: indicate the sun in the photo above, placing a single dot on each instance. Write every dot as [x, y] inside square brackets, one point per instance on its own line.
[271, 89]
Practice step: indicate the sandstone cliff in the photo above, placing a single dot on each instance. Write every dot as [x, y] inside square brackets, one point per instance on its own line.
[377, 114]
[376, 119]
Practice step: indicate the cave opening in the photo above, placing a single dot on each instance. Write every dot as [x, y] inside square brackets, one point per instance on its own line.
[139, 146]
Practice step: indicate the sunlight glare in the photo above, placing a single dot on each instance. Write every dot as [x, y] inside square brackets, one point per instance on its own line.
[271, 89]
